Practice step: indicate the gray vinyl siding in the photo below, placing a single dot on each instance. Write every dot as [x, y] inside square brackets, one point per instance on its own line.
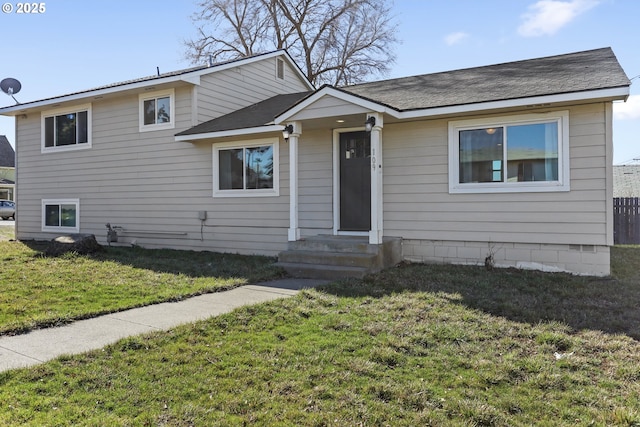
[417, 204]
[146, 183]
[151, 185]
[328, 106]
[229, 90]
[315, 170]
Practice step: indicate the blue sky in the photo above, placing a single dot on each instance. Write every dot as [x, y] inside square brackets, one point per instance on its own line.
[76, 44]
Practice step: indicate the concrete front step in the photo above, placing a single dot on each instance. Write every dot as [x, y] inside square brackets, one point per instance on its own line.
[326, 272]
[328, 243]
[344, 259]
[334, 257]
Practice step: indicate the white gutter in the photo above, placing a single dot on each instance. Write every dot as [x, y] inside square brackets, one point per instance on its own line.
[536, 101]
[234, 132]
[191, 77]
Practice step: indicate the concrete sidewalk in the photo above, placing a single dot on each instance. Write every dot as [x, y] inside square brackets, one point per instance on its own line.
[78, 337]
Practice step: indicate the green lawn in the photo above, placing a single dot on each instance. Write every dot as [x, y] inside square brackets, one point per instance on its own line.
[37, 291]
[414, 345]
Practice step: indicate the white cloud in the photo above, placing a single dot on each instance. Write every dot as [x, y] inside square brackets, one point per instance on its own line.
[546, 17]
[455, 38]
[629, 110]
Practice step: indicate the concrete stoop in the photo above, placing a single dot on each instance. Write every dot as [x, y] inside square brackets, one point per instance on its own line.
[336, 257]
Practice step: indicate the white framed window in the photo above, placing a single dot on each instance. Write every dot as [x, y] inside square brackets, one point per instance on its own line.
[66, 129]
[280, 68]
[521, 153]
[246, 169]
[61, 215]
[157, 110]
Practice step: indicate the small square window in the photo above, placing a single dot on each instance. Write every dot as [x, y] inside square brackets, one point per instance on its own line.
[157, 111]
[61, 215]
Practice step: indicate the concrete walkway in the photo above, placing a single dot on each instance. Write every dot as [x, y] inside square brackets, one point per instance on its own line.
[78, 337]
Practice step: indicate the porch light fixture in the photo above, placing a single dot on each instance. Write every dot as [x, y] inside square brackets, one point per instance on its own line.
[287, 131]
[370, 123]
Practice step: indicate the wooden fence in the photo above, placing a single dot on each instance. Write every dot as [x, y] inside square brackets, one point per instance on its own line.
[626, 221]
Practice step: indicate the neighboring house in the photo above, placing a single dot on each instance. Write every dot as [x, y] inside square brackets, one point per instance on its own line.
[7, 169]
[626, 204]
[626, 181]
[509, 163]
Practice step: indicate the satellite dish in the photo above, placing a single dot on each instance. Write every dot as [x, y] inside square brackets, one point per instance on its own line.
[10, 86]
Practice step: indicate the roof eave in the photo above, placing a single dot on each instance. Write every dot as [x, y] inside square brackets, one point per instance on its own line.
[191, 77]
[619, 93]
[228, 133]
[17, 109]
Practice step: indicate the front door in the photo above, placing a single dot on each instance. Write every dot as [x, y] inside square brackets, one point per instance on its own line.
[355, 181]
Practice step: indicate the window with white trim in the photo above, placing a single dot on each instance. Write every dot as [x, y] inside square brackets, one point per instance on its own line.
[524, 153]
[248, 168]
[280, 68]
[66, 128]
[157, 110]
[61, 215]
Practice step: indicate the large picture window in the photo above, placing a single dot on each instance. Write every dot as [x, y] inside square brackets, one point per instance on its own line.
[157, 110]
[513, 154]
[66, 129]
[246, 169]
[61, 215]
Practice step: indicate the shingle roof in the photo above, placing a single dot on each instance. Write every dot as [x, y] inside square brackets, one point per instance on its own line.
[259, 114]
[573, 72]
[7, 154]
[562, 74]
[626, 181]
[150, 79]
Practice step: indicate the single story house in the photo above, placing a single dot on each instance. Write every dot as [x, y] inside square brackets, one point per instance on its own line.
[7, 169]
[509, 163]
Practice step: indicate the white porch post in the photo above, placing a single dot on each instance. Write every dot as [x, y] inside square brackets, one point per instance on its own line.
[294, 230]
[376, 232]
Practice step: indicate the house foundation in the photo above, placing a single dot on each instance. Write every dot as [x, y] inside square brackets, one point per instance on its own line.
[588, 260]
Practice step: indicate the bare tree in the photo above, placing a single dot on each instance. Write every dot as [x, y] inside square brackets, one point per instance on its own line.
[334, 41]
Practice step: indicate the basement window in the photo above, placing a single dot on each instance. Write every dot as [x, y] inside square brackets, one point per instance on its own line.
[61, 215]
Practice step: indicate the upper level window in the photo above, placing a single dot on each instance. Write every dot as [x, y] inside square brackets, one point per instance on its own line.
[246, 169]
[280, 68]
[157, 110]
[511, 154]
[66, 129]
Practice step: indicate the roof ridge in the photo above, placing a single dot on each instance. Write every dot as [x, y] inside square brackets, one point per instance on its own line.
[150, 78]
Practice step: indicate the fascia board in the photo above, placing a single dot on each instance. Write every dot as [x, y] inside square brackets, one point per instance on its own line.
[224, 133]
[615, 93]
[192, 77]
[22, 108]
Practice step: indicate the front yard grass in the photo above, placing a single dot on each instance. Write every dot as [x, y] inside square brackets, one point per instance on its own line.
[38, 291]
[413, 345]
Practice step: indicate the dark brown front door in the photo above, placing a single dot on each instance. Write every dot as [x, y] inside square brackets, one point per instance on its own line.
[355, 181]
